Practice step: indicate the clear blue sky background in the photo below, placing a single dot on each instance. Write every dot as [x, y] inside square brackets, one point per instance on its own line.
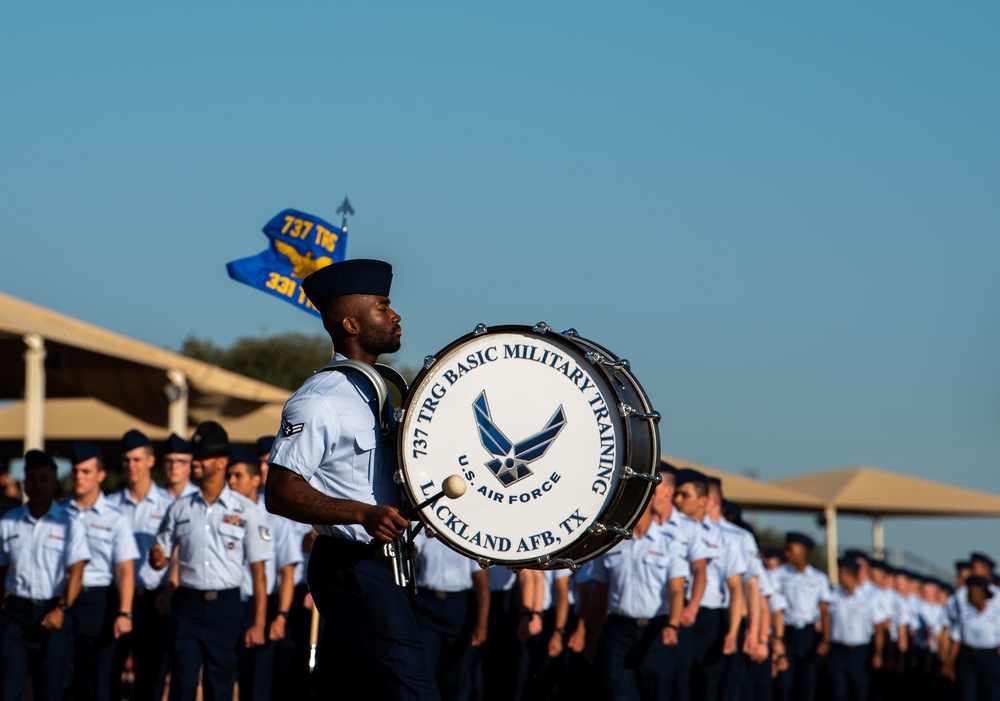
[784, 214]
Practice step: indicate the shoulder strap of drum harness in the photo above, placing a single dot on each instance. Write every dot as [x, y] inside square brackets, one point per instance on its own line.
[399, 554]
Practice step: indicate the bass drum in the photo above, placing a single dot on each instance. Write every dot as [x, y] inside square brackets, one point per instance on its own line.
[553, 435]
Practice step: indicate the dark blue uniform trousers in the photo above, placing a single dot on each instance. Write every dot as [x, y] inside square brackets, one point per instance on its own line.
[371, 640]
[256, 664]
[94, 613]
[799, 683]
[501, 651]
[206, 628]
[706, 638]
[635, 664]
[978, 674]
[848, 671]
[27, 648]
[446, 621]
[148, 645]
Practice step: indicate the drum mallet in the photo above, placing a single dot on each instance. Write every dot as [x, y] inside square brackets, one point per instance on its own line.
[453, 487]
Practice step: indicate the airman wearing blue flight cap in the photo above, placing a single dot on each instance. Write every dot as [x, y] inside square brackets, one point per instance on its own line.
[331, 468]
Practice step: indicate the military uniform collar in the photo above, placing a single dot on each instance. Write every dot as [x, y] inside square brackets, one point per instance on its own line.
[226, 499]
[99, 506]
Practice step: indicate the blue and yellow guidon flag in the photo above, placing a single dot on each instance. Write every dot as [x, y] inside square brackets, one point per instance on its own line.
[301, 244]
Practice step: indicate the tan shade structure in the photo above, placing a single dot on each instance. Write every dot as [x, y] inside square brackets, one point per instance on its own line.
[49, 355]
[869, 491]
[86, 418]
[751, 494]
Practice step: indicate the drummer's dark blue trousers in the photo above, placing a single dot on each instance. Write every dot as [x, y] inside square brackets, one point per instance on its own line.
[371, 640]
[205, 629]
[27, 648]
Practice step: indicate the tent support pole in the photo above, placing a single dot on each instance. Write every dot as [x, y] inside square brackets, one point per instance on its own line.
[34, 392]
[177, 396]
[830, 512]
[878, 538]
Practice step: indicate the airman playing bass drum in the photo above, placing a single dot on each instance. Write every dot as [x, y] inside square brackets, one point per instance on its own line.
[555, 438]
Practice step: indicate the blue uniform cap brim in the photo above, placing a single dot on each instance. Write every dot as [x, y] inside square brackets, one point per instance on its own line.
[350, 277]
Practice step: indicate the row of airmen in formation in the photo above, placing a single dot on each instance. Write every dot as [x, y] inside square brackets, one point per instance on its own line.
[192, 579]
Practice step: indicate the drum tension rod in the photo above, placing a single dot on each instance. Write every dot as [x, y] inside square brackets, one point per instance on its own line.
[625, 411]
[560, 562]
[596, 358]
[598, 528]
[628, 473]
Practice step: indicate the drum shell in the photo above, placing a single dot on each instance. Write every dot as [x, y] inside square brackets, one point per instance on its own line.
[640, 441]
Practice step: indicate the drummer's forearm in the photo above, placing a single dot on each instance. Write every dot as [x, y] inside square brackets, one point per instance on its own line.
[699, 576]
[287, 494]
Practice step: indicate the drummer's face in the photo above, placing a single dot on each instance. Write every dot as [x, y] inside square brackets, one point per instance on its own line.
[380, 331]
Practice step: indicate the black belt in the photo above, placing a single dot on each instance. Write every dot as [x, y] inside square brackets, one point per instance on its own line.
[978, 650]
[354, 550]
[34, 602]
[95, 589]
[658, 621]
[209, 594]
[443, 594]
[845, 646]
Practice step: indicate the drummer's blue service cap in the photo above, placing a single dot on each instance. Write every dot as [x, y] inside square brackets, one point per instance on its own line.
[686, 475]
[176, 444]
[35, 458]
[264, 445]
[800, 538]
[243, 454]
[882, 566]
[773, 552]
[81, 451]
[210, 440]
[350, 277]
[983, 558]
[134, 439]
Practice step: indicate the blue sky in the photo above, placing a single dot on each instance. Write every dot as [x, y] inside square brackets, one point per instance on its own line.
[785, 215]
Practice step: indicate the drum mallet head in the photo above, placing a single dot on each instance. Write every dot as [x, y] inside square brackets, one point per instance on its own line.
[453, 487]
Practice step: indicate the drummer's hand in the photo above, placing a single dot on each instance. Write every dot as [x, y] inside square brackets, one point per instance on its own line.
[729, 644]
[669, 636]
[384, 522]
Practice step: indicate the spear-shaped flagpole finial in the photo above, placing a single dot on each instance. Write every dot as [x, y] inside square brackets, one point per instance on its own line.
[345, 210]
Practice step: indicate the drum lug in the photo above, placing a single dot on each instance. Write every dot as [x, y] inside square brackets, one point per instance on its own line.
[399, 414]
[480, 330]
[625, 411]
[571, 332]
[561, 562]
[596, 358]
[430, 532]
[398, 477]
[598, 528]
[484, 562]
[628, 473]
[429, 360]
[541, 327]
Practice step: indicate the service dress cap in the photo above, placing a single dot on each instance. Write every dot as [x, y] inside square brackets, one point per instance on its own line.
[848, 563]
[176, 444]
[81, 451]
[360, 276]
[977, 581]
[983, 558]
[133, 439]
[686, 475]
[264, 445]
[36, 458]
[800, 538]
[243, 454]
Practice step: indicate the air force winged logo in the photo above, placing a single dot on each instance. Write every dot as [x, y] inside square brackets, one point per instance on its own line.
[510, 462]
